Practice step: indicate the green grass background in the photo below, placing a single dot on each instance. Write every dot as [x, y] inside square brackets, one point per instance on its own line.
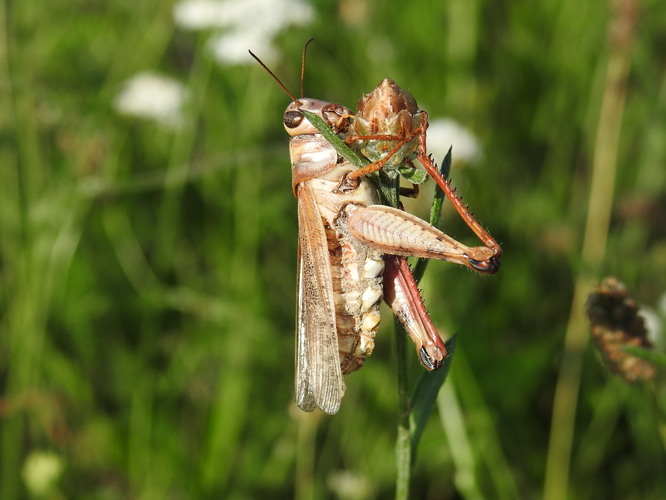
[147, 277]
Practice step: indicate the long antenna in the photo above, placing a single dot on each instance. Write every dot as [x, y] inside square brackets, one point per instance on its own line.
[296, 101]
[305, 48]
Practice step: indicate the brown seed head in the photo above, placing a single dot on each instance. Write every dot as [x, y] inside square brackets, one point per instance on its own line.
[615, 323]
[387, 110]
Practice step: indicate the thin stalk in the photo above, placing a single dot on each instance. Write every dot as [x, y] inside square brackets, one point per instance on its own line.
[22, 323]
[600, 203]
[403, 448]
[307, 424]
[409, 430]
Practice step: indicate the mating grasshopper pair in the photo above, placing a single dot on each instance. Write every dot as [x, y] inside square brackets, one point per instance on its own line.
[351, 248]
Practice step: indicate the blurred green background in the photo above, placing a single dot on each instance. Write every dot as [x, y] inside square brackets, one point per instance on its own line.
[147, 265]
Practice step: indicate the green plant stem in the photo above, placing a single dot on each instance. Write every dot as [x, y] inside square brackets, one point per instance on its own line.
[406, 442]
[403, 448]
[462, 450]
[594, 244]
[307, 424]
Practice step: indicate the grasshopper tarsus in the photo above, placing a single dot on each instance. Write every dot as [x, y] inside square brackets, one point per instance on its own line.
[428, 362]
[489, 266]
[412, 192]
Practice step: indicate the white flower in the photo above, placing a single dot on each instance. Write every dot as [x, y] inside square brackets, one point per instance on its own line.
[152, 96]
[202, 14]
[41, 471]
[347, 484]
[653, 326]
[654, 323]
[444, 133]
[661, 304]
[242, 24]
[232, 47]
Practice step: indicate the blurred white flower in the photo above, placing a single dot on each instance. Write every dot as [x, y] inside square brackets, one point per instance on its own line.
[347, 484]
[152, 96]
[202, 14]
[242, 24]
[661, 304]
[41, 471]
[231, 48]
[444, 133]
[653, 325]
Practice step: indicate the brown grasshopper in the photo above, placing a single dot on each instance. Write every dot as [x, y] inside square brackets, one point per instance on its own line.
[352, 249]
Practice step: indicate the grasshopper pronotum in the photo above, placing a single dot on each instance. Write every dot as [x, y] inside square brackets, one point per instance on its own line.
[352, 249]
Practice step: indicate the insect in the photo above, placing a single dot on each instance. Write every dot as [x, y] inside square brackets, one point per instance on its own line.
[351, 248]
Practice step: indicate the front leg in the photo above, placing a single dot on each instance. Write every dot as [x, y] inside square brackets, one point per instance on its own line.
[399, 141]
[395, 232]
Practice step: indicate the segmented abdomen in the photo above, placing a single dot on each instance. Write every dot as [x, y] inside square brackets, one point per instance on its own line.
[357, 290]
[356, 270]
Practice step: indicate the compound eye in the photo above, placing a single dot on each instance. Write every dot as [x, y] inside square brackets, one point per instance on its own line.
[293, 119]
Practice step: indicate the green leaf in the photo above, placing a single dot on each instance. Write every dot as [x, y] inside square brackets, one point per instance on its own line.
[425, 394]
[334, 140]
[445, 169]
[413, 175]
[646, 354]
[387, 185]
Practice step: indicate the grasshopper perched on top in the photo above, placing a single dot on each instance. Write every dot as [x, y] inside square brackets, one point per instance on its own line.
[352, 249]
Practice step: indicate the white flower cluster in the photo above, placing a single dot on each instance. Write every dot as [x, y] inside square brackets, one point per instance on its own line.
[236, 25]
[444, 133]
[654, 323]
[240, 25]
[152, 96]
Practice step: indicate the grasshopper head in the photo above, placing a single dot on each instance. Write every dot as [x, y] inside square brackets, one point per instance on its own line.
[336, 116]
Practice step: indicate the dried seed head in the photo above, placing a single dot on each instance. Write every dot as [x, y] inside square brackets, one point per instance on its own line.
[615, 323]
[387, 110]
[385, 118]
